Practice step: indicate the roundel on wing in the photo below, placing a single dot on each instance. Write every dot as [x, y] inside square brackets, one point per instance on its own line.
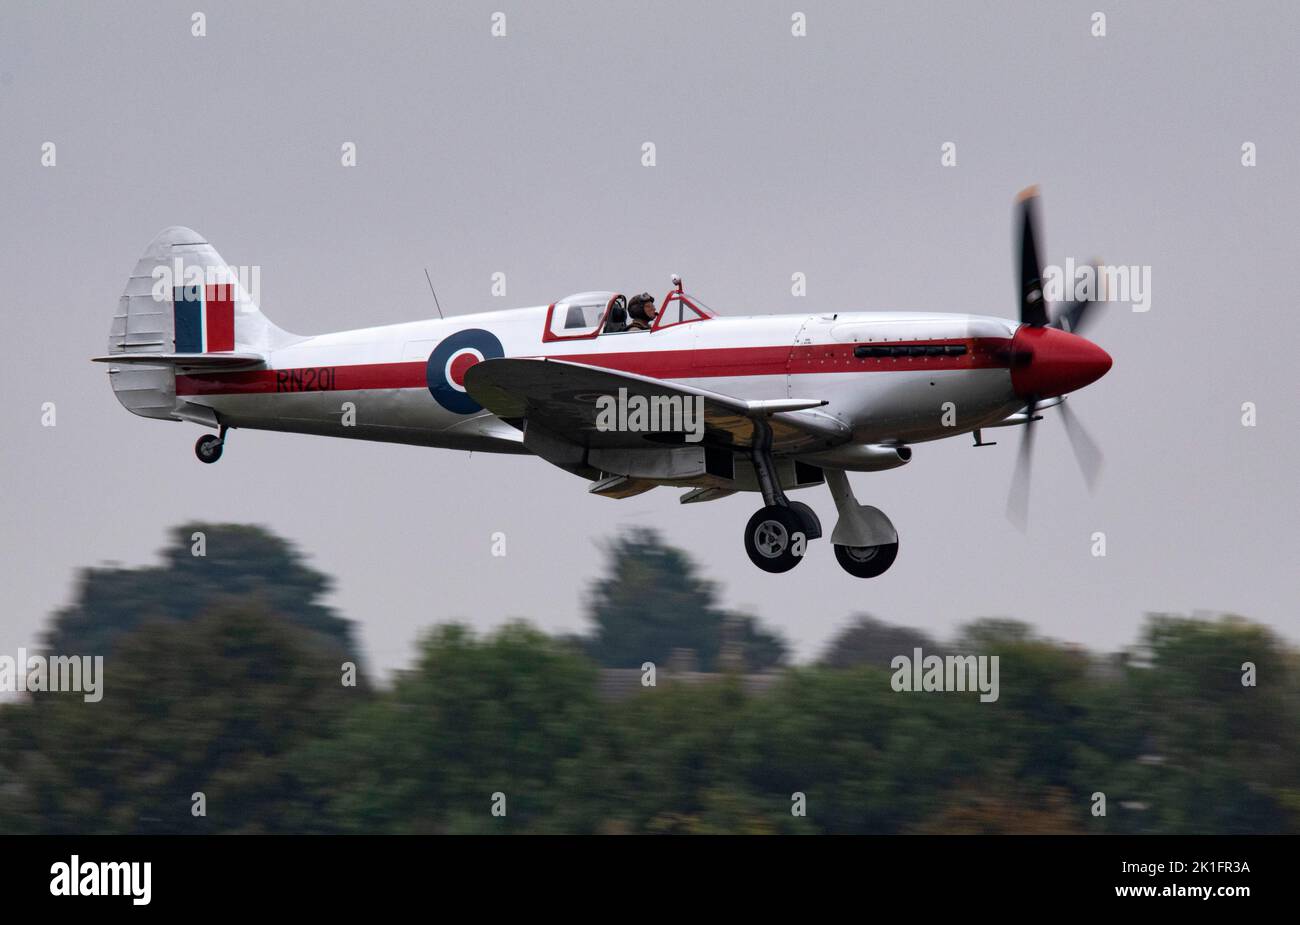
[449, 362]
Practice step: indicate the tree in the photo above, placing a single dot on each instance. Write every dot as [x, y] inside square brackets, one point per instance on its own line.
[213, 706]
[654, 601]
[869, 642]
[990, 633]
[237, 562]
[1001, 808]
[1223, 756]
[514, 714]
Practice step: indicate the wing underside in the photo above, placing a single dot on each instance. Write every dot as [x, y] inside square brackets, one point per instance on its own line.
[566, 399]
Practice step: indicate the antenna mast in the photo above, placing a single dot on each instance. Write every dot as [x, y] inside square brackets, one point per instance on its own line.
[435, 295]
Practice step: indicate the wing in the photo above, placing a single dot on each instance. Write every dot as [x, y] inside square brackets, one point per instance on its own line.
[206, 361]
[562, 397]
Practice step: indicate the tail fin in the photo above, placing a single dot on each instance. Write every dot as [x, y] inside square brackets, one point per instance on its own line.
[183, 300]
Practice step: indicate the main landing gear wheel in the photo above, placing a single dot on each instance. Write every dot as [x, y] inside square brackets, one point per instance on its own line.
[775, 538]
[866, 561]
[208, 449]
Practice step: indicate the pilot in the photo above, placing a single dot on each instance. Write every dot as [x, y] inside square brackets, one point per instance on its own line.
[641, 309]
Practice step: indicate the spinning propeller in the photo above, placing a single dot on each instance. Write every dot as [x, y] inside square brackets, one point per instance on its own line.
[1049, 358]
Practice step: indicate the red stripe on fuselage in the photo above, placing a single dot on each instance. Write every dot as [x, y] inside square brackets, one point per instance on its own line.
[700, 363]
[357, 377]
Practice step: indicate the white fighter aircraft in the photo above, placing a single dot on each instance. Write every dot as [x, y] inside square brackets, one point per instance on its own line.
[783, 401]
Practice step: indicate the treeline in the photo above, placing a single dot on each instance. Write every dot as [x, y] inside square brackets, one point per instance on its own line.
[231, 713]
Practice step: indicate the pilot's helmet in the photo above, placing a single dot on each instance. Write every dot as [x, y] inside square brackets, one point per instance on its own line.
[641, 307]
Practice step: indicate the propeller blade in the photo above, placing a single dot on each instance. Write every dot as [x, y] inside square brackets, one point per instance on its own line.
[1073, 318]
[1018, 496]
[1070, 317]
[1086, 452]
[1033, 307]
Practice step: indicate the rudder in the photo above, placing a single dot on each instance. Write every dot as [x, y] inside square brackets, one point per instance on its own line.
[182, 298]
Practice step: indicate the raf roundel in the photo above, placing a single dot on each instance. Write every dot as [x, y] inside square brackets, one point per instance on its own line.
[449, 362]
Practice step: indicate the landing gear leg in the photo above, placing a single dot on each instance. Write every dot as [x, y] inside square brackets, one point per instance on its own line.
[777, 536]
[865, 540]
[208, 447]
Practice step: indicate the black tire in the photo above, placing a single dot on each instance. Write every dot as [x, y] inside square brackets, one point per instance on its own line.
[208, 448]
[772, 537]
[866, 561]
[812, 526]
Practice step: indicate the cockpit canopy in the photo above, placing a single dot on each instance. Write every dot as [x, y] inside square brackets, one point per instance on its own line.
[679, 308]
[591, 314]
[579, 315]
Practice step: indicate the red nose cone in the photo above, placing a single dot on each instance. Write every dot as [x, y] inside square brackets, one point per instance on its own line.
[1046, 362]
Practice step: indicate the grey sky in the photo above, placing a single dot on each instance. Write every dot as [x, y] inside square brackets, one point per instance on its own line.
[775, 155]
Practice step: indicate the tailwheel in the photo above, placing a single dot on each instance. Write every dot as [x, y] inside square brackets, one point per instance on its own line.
[208, 448]
[775, 538]
[866, 561]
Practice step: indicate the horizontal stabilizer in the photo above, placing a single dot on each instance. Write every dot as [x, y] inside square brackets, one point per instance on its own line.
[208, 361]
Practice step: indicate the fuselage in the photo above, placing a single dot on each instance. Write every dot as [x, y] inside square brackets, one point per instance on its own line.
[902, 377]
[778, 402]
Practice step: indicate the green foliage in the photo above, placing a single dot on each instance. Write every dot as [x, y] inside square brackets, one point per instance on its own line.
[1222, 756]
[240, 563]
[513, 713]
[245, 704]
[215, 705]
[653, 601]
[868, 642]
